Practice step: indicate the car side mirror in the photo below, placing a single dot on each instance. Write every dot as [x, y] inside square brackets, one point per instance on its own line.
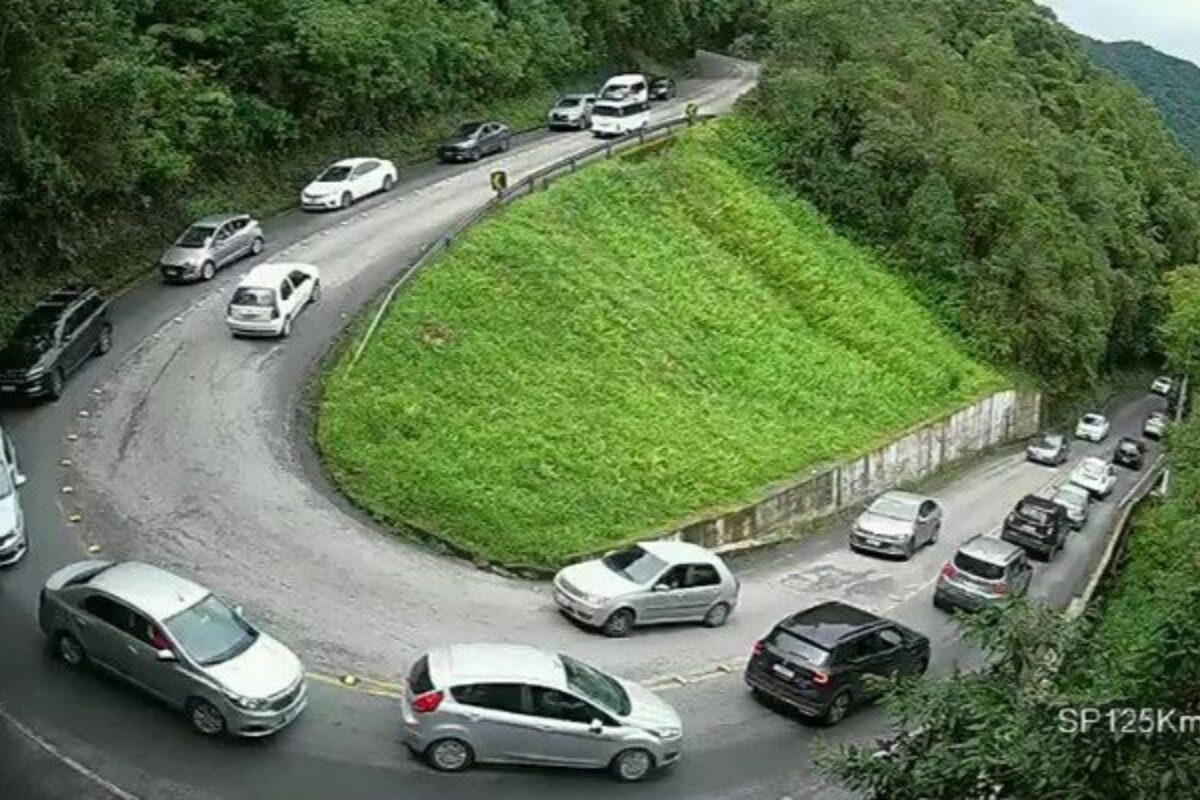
[166, 656]
[237, 612]
[596, 727]
[661, 587]
[20, 480]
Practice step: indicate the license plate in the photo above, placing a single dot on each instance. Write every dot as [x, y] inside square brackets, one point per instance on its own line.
[783, 671]
[8, 388]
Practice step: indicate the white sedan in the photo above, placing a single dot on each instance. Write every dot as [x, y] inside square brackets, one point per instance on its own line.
[1162, 385]
[348, 181]
[1096, 475]
[1092, 427]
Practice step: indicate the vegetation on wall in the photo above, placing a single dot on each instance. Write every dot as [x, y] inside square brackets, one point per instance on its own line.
[1035, 199]
[642, 342]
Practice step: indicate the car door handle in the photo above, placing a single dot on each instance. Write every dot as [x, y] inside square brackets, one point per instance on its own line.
[133, 650]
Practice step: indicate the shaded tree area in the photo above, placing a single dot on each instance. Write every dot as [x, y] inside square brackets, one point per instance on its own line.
[1033, 198]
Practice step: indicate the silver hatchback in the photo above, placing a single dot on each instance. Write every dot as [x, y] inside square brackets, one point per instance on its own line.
[897, 523]
[209, 244]
[175, 640]
[648, 583]
[514, 704]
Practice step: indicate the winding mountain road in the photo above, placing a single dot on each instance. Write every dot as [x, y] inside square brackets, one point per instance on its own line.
[189, 449]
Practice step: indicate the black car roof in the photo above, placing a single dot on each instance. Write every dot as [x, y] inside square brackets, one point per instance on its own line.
[830, 623]
[1034, 500]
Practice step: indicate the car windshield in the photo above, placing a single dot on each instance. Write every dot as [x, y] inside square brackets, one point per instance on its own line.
[978, 567]
[1069, 495]
[895, 507]
[334, 175]
[1092, 419]
[248, 296]
[1093, 467]
[659, 82]
[1037, 513]
[210, 632]
[196, 236]
[568, 102]
[792, 645]
[635, 564]
[593, 684]
[1129, 447]
[467, 130]
[1050, 442]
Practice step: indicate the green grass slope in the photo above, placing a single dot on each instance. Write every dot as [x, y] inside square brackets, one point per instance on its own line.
[642, 342]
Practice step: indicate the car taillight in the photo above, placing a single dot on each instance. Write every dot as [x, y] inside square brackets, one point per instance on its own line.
[425, 703]
[949, 571]
[820, 678]
[999, 588]
[759, 646]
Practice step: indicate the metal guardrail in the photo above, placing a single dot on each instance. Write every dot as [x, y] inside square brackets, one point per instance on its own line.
[528, 185]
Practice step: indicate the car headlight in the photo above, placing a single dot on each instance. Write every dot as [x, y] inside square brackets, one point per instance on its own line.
[667, 733]
[248, 703]
[35, 373]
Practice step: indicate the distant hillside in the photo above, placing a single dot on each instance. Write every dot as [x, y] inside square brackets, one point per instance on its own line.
[1172, 83]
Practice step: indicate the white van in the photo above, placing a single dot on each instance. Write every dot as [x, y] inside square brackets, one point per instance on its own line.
[633, 86]
[618, 117]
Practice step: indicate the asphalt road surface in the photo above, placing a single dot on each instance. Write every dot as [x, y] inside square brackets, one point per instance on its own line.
[189, 449]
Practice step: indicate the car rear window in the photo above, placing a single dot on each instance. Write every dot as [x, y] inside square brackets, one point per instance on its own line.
[796, 647]
[1039, 514]
[246, 296]
[418, 676]
[978, 567]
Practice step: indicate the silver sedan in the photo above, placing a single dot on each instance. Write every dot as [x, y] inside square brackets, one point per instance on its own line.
[646, 584]
[897, 523]
[176, 641]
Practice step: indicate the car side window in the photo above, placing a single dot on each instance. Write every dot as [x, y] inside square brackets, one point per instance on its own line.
[74, 320]
[885, 640]
[369, 167]
[110, 611]
[702, 575]
[508, 697]
[927, 509]
[562, 706]
[855, 650]
[298, 278]
[224, 232]
[285, 289]
[675, 578]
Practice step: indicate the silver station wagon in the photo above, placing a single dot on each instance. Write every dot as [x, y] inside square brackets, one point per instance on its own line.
[648, 583]
[514, 704]
[175, 640]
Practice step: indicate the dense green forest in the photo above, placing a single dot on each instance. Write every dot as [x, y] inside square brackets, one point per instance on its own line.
[1172, 83]
[1034, 198]
[120, 118]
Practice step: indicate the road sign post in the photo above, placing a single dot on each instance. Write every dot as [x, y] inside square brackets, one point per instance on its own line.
[499, 181]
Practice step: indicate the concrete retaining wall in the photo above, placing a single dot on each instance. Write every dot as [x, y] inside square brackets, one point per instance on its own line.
[1002, 417]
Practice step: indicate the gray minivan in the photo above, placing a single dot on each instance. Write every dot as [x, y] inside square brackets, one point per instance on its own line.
[514, 704]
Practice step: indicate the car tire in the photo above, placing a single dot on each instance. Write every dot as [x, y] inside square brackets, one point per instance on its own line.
[449, 755]
[257, 246]
[205, 718]
[69, 651]
[632, 765]
[316, 292]
[104, 340]
[837, 709]
[619, 623]
[286, 330]
[347, 200]
[388, 183]
[207, 270]
[54, 385]
[717, 616]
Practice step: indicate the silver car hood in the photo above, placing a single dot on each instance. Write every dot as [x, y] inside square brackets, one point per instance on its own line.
[180, 256]
[266, 669]
[596, 579]
[888, 527]
[8, 514]
[647, 710]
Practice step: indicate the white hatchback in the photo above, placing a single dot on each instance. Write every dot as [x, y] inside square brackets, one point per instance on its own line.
[1092, 427]
[270, 297]
[1096, 475]
[348, 181]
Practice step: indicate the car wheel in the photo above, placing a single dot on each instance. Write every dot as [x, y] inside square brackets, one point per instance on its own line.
[286, 330]
[619, 623]
[207, 271]
[632, 765]
[69, 650]
[717, 615]
[257, 246]
[54, 384]
[347, 199]
[316, 292]
[388, 183]
[838, 708]
[205, 717]
[449, 755]
[104, 341]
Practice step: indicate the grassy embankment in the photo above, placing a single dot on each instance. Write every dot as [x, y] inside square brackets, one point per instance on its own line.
[642, 342]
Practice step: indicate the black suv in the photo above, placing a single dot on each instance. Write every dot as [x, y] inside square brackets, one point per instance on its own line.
[817, 661]
[1130, 452]
[54, 340]
[1037, 524]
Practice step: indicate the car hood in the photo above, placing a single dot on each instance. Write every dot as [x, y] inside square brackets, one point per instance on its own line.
[266, 669]
[21, 354]
[647, 710]
[8, 514]
[176, 256]
[570, 111]
[458, 143]
[596, 579]
[884, 526]
[319, 188]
